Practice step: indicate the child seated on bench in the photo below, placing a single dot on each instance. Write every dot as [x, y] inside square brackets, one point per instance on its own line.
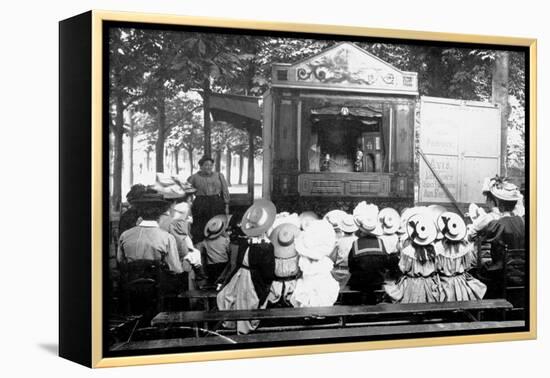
[368, 259]
[250, 282]
[215, 248]
[282, 237]
[316, 287]
[419, 283]
[348, 228]
[455, 256]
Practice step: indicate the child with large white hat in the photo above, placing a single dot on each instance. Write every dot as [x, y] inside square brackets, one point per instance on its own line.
[455, 256]
[419, 283]
[390, 221]
[316, 287]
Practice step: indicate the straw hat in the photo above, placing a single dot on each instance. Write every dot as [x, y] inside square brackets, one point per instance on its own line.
[282, 218]
[506, 191]
[306, 218]
[366, 218]
[421, 229]
[282, 238]
[216, 225]
[258, 218]
[452, 226]
[347, 224]
[406, 214]
[172, 187]
[334, 217]
[389, 220]
[316, 241]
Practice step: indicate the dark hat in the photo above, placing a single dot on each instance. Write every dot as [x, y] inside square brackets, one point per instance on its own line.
[150, 197]
[135, 192]
[204, 159]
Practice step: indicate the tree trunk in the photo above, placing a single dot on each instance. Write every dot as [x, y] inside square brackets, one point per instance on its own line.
[250, 163]
[159, 146]
[500, 96]
[228, 167]
[218, 160]
[176, 162]
[131, 118]
[148, 161]
[117, 166]
[206, 116]
[241, 166]
[190, 153]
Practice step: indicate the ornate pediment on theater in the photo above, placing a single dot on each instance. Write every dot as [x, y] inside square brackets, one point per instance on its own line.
[345, 67]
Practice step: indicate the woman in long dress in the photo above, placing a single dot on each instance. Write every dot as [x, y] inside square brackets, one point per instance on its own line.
[212, 196]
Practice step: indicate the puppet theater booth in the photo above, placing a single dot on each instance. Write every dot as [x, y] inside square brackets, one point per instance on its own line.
[345, 126]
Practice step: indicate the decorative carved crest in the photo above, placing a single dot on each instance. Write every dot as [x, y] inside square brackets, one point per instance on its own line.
[345, 67]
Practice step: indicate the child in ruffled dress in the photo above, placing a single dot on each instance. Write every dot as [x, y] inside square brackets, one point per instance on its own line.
[455, 256]
[420, 282]
[316, 287]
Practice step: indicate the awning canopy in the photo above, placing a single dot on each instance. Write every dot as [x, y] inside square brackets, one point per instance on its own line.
[243, 112]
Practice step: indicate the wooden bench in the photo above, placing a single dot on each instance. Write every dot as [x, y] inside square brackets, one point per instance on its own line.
[323, 334]
[206, 296]
[166, 319]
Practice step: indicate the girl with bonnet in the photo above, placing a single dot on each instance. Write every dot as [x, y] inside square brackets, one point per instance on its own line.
[316, 287]
[455, 256]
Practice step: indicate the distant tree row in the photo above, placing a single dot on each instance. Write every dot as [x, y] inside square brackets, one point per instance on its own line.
[161, 81]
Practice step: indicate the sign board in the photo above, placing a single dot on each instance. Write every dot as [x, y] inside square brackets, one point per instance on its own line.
[461, 141]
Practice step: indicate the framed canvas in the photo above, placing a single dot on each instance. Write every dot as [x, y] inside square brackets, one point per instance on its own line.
[234, 189]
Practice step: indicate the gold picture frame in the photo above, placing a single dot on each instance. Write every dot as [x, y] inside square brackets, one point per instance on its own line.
[91, 264]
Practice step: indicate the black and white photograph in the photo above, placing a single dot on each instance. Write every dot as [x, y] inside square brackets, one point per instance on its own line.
[286, 189]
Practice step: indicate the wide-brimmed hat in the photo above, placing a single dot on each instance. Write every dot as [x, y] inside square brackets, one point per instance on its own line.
[172, 187]
[408, 212]
[317, 240]
[151, 197]
[282, 218]
[216, 225]
[366, 218]
[421, 228]
[506, 191]
[334, 216]
[347, 224]
[282, 238]
[389, 220]
[258, 218]
[452, 226]
[306, 218]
